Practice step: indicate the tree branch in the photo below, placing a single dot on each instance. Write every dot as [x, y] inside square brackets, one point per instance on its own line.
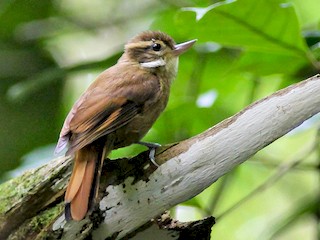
[133, 191]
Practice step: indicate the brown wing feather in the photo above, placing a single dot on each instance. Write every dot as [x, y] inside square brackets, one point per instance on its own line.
[95, 107]
[110, 123]
[91, 108]
[108, 97]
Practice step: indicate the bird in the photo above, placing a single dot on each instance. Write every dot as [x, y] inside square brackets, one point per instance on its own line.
[117, 110]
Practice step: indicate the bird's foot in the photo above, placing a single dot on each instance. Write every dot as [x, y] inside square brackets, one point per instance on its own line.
[152, 148]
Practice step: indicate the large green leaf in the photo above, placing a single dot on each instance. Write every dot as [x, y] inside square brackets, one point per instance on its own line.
[260, 25]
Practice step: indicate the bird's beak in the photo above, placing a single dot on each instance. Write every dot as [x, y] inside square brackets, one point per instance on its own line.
[182, 47]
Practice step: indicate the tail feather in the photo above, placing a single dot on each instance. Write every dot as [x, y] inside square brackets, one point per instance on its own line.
[80, 203]
[77, 196]
[77, 175]
[84, 182]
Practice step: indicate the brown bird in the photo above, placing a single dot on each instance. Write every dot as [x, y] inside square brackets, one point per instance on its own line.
[117, 110]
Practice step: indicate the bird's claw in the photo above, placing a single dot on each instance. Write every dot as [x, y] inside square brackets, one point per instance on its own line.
[152, 148]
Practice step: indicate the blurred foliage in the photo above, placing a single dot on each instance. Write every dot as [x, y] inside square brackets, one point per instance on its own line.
[50, 51]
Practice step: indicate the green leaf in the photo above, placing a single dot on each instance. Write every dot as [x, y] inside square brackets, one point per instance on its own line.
[308, 12]
[263, 64]
[260, 25]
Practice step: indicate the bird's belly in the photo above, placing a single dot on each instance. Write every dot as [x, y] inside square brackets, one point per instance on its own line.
[137, 127]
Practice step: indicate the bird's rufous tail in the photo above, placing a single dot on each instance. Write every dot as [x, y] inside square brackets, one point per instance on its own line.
[84, 182]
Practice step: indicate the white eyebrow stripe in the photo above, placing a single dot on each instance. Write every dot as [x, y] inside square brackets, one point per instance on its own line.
[153, 64]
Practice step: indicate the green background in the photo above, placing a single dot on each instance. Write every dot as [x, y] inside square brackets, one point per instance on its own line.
[50, 51]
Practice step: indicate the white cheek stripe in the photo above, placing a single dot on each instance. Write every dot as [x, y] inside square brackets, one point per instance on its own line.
[153, 64]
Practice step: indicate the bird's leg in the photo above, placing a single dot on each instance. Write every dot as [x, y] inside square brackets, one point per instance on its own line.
[152, 148]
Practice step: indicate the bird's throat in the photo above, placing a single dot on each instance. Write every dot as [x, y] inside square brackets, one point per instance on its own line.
[153, 64]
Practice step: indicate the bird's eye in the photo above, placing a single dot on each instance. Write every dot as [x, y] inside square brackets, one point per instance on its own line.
[156, 47]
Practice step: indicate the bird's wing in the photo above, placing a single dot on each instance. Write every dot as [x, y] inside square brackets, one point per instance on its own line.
[99, 112]
[118, 112]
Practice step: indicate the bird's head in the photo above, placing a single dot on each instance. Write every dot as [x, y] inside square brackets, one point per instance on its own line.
[156, 50]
